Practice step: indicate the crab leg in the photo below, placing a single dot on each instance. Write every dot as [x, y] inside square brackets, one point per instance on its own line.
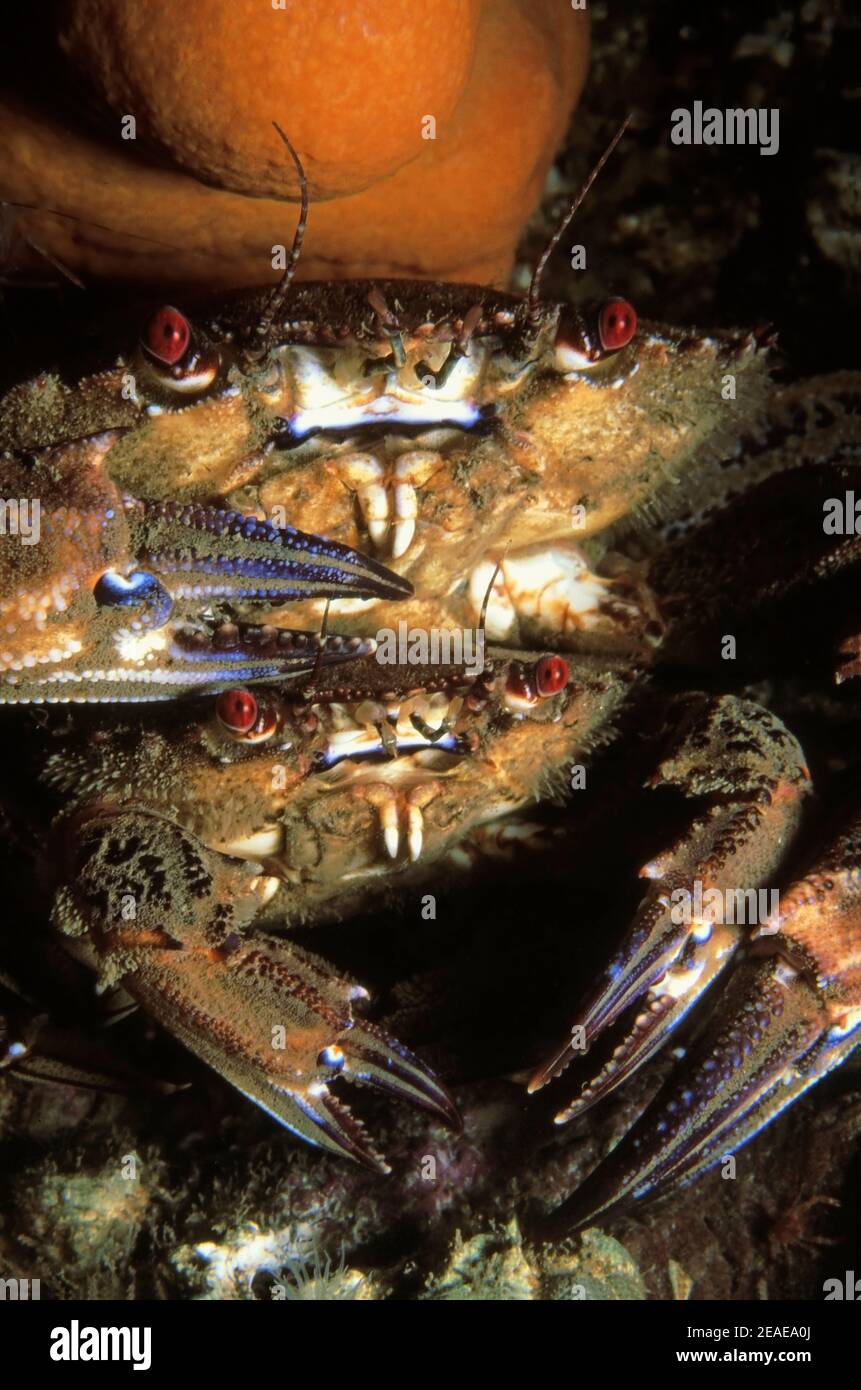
[751, 772]
[788, 1021]
[38, 1048]
[202, 657]
[272, 1019]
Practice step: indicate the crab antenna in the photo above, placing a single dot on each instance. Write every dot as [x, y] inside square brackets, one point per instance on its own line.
[532, 311]
[489, 590]
[279, 294]
[308, 692]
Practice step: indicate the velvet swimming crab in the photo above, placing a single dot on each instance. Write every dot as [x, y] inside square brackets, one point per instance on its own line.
[606, 499]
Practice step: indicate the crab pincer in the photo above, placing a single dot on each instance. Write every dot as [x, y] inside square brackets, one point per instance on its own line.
[750, 772]
[791, 1014]
[746, 774]
[271, 1018]
[128, 599]
[208, 552]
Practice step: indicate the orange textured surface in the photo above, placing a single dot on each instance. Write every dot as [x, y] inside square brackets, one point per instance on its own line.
[352, 84]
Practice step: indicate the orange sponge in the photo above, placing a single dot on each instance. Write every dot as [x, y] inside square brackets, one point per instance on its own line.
[425, 133]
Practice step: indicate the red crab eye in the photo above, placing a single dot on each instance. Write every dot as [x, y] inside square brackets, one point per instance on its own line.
[237, 710]
[167, 336]
[617, 324]
[551, 675]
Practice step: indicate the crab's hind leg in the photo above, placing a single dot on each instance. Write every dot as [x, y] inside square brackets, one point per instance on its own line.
[170, 919]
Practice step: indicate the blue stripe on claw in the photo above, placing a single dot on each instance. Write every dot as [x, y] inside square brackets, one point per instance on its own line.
[207, 552]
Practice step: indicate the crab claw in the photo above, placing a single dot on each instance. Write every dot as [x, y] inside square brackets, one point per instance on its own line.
[204, 656]
[786, 1022]
[664, 969]
[685, 931]
[373, 1058]
[279, 1026]
[97, 611]
[34, 1047]
[270, 1018]
[190, 556]
[204, 552]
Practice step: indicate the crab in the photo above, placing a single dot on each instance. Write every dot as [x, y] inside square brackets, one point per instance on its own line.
[571, 483]
[181, 847]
